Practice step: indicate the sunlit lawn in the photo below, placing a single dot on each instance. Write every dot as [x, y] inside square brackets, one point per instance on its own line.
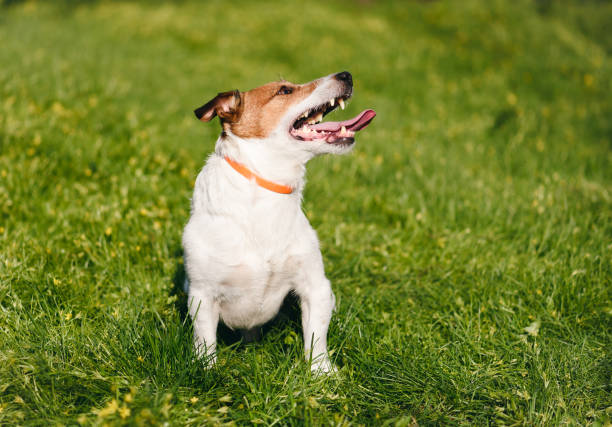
[468, 237]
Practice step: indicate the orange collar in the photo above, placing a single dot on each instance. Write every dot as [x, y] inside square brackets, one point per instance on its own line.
[248, 174]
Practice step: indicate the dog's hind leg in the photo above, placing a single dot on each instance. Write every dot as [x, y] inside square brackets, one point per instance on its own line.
[205, 317]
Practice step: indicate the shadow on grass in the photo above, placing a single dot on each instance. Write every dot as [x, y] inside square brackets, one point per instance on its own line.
[288, 317]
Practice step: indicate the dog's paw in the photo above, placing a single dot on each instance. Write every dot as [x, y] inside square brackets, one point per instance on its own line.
[209, 357]
[322, 365]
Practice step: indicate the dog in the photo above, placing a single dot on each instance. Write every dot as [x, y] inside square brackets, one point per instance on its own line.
[247, 243]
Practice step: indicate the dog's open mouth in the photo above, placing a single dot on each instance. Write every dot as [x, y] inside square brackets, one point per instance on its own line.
[309, 126]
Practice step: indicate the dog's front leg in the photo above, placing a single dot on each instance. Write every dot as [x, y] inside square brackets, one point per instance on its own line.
[205, 318]
[317, 303]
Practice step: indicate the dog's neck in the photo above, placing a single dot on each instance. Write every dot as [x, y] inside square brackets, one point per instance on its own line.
[268, 158]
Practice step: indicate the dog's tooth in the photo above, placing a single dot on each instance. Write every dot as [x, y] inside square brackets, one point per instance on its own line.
[343, 130]
[319, 117]
[311, 121]
[332, 102]
[341, 102]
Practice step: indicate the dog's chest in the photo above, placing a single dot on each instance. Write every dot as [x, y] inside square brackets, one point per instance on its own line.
[253, 246]
[252, 292]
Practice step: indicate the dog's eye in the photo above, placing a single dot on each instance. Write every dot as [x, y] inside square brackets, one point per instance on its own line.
[284, 90]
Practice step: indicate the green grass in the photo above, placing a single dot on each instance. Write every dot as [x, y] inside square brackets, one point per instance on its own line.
[468, 237]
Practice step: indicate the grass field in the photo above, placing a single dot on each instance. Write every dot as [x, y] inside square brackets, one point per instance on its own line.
[468, 237]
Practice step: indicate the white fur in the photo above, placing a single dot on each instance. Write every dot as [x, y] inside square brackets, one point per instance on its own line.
[247, 247]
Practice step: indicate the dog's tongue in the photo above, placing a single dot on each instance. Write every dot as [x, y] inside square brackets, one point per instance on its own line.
[356, 123]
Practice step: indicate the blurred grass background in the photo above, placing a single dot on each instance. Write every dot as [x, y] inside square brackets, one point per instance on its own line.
[468, 237]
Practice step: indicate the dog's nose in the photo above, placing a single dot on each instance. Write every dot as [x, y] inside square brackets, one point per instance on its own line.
[345, 76]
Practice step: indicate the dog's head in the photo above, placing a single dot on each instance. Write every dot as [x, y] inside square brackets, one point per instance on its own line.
[290, 113]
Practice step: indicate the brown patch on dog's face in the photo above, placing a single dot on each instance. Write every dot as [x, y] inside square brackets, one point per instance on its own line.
[257, 112]
[264, 106]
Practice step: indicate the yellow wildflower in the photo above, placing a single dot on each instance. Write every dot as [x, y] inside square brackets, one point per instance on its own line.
[124, 412]
[110, 409]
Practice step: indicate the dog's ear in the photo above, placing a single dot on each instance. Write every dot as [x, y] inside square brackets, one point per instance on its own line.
[226, 105]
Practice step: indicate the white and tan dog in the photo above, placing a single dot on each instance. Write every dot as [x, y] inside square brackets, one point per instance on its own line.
[247, 243]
